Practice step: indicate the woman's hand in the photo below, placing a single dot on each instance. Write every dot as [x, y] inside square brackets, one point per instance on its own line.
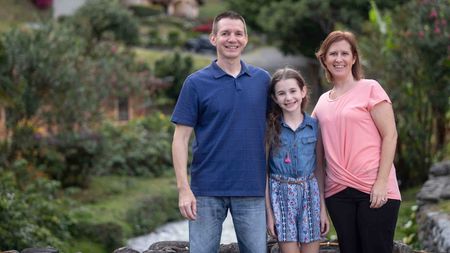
[378, 194]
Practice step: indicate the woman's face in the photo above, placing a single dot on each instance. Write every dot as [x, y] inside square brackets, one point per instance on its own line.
[339, 60]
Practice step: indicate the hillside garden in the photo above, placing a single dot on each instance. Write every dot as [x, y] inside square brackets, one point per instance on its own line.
[76, 180]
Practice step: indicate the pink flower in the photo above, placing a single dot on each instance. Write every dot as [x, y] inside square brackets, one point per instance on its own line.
[433, 13]
[421, 34]
[437, 29]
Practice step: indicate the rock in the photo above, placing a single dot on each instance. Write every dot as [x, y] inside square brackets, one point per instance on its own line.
[125, 250]
[272, 247]
[440, 169]
[434, 225]
[445, 194]
[168, 246]
[40, 250]
[433, 190]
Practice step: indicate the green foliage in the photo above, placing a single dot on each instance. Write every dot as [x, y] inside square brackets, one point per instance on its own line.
[250, 10]
[69, 157]
[166, 31]
[109, 235]
[412, 61]
[410, 229]
[100, 18]
[32, 216]
[152, 212]
[145, 11]
[300, 26]
[141, 147]
[54, 75]
[110, 199]
[176, 67]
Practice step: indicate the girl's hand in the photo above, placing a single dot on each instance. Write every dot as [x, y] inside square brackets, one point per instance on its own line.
[324, 222]
[271, 226]
[378, 194]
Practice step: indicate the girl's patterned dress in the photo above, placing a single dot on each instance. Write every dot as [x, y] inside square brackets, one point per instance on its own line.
[294, 191]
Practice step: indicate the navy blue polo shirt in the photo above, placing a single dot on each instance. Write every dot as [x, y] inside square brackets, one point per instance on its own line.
[228, 116]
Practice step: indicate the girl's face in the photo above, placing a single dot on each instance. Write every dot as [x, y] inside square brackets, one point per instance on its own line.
[289, 96]
[339, 60]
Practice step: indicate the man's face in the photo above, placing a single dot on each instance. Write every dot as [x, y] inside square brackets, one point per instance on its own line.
[230, 39]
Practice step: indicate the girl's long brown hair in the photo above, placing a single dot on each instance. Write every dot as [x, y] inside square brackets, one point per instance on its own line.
[275, 112]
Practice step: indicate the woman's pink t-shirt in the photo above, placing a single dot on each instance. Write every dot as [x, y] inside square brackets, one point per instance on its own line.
[351, 139]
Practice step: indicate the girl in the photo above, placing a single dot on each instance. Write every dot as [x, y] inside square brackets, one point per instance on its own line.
[295, 205]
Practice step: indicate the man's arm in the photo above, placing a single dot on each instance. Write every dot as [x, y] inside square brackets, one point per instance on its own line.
[180, 146]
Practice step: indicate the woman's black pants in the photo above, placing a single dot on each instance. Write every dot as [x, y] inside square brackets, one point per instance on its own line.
[361, 229]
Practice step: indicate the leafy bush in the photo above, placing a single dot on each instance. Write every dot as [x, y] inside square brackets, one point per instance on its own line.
[32, 216]
[410, 229]
[415, 33]
[69, 158]
[177, 67]
[153, 212]
[99, 18]
[141, 147]
[145, 11]
[110, 235]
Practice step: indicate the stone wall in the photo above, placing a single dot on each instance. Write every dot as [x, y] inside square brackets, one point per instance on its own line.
[272, 247]
[434, 224]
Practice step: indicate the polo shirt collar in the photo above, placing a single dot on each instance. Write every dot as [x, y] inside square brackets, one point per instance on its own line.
[218, 72]
[307, 121]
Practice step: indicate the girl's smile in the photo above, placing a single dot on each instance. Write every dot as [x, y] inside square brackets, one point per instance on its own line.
[289, 96]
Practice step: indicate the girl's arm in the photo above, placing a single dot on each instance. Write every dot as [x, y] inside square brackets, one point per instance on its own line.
[320, 175]
[383, 117]
[269, 212]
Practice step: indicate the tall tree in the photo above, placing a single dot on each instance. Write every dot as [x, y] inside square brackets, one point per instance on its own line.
[298, 26]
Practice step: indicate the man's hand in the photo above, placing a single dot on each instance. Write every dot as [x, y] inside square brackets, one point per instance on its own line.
[187, 204]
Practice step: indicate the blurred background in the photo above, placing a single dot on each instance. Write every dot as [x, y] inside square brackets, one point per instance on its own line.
[87, 88]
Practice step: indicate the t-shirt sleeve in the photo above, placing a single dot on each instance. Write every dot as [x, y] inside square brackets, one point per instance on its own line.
[186, 108]
[377, 95]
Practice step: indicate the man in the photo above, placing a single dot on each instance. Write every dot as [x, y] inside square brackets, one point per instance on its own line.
[225, 105]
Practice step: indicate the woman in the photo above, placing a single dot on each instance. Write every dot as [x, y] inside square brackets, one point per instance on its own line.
[359, 138]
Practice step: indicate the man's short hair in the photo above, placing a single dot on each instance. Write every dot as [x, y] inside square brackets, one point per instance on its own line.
[230, 15]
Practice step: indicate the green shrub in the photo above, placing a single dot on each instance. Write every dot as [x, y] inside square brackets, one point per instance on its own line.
[174, 39]
[102, 17]
[177, 67]
[139, 148]
[69, 158]
[109, 235]
[154, 38]
[409, 228]
[153, 212]
[33, 216]
[146, 11]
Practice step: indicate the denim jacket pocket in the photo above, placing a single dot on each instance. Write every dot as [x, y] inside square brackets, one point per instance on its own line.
[308, 144]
